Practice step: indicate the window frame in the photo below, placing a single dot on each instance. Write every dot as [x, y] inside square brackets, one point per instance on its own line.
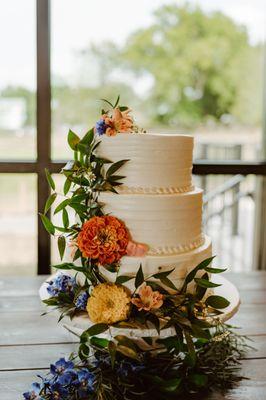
[43, 101]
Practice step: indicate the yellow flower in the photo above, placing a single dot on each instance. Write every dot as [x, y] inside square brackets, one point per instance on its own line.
[109, 303]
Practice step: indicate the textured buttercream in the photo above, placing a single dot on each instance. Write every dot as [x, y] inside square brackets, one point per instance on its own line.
[167, 223]
[161, 163]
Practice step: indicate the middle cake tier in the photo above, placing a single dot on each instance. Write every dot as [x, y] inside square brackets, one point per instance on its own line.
[168, 224]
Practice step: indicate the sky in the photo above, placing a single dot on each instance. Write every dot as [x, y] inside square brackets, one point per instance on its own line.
[76, 23]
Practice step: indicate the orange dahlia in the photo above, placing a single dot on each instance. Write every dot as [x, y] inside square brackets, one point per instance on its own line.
[104, 239]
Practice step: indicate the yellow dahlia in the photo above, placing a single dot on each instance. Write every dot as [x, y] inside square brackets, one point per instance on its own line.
[109, 303]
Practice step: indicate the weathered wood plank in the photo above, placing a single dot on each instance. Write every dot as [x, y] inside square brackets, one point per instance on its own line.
[40, 356]
[31, 328]
[13, 383]
[20, 286]
[255, 280]
[21, 304]
[28, 327]
[251, 319]
[33, 357]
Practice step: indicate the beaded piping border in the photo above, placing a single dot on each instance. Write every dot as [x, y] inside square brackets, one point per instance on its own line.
[154, 190]
[173, 250]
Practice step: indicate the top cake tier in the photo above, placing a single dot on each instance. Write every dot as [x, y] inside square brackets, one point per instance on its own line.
[158, 163]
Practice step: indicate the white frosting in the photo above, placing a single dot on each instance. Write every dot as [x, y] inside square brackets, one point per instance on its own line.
[168, 224]
[153, 190]
[182, 264]
[157, 161]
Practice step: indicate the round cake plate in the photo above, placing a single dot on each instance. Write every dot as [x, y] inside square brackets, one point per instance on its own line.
[78, 324]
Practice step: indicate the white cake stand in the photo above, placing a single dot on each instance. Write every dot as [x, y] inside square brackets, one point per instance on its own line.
[80, 323]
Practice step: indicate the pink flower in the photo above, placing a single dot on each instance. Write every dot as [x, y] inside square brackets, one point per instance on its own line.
[136, 249]
[148, 299]
[120, 121]
[74, 247]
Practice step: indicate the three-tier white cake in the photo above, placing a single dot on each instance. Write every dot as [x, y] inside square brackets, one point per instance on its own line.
[157, 202]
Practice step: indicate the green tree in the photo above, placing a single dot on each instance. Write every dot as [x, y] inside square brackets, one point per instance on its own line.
[197, 63]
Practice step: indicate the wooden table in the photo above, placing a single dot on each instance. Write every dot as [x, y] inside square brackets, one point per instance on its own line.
[29, 342]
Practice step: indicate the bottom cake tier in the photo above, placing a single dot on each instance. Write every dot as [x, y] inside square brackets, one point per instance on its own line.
[182, 264]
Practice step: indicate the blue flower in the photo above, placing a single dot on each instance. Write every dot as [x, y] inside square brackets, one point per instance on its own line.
[81, 301]
[57, 391]
[61, 366]
[100, 127]
[34, 392]
[85, 383]
[67, 377]
[62, 283]
[127, 368]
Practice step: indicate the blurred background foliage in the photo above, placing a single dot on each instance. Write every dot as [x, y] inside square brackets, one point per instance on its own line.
[187, 68]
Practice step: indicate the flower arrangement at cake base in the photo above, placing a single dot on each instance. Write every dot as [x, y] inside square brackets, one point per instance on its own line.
[144, 336]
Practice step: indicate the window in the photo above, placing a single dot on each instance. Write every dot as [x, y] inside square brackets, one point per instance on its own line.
[191, 67]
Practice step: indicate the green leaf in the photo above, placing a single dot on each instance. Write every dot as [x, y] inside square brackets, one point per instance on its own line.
[200, 291]
[49, 179]
[217, 302]
[77, 255]
[117, 101]
[65, 218]
[115, 167]
[108, 102]
[49, 202]
[171, 342]
[62, 205]
[47, 224]
[67, 186]
[79, 208]
[96, 329]
[125, 341]
[200, 266]
[126, 351]
[99, 342]
[166, 281]
[63, 230]
[115, 178]
[139, 277]
[215, 270]
[171, 385]
[88, 138]
[123, 108]
[61, 243]
[155, 321]
[200, 333]
[84, 352]
[112, 352]
[191, 348]
[123, 278]
[205, 283]
[199, 380]
[163, 274]
[64, 266]
[72, 139]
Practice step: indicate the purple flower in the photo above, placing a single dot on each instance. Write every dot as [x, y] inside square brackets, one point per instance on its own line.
[34, 392]
[81, 301]
[61, 283]
[100, 127]
[61, 366]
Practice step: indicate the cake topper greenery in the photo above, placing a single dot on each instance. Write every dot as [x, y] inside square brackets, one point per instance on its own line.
[198, 353]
